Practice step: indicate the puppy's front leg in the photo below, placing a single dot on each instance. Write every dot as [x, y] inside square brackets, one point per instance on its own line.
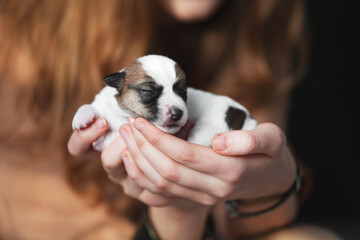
[84, 116]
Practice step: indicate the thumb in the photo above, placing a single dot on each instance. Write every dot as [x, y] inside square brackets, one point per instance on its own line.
[80, 141]
[266, 138]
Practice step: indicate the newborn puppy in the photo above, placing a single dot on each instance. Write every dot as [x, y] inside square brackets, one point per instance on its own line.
[154, 87]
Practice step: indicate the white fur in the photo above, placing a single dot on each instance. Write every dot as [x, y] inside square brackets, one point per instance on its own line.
[205, 109]
[208, 112]
[162, 69]
[106, 106]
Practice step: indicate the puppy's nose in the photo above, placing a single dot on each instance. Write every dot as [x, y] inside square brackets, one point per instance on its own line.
[175, 113]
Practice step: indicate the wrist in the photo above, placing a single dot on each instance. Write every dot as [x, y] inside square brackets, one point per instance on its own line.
[264, 204]
[180, 222]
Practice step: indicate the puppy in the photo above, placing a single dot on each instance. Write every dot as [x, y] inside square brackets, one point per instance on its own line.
[154, 87]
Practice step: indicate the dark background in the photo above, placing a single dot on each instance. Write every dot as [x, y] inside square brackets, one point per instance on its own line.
[323, 121]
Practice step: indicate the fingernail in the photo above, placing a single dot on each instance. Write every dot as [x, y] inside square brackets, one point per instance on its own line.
[221, 142]
[100, 123]
[124, 134]
[140, 126]
[131, 120]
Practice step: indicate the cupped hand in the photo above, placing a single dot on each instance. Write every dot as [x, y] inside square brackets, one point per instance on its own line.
[116, 155]
[80, 145]
[241, 164]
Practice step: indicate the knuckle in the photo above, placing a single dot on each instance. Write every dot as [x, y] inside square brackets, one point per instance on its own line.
[186, 157]
[235, 175]
[223, 192]
[134, 175]
[140, 143]
[162, 184]
[169, 172]
[156, 140]
[136, 155]
[209, 201]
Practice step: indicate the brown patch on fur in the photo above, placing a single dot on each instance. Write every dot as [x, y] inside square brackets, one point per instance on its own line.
[180, 87]
[128, 98]
[135, 73]
[235, 118]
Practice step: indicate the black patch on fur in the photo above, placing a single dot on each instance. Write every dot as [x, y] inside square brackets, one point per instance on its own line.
[115, 80]
[235, 118]
[149, 94]
[180, 89]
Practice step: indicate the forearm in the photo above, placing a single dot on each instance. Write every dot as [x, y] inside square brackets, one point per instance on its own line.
[234, 228]
[178, 223]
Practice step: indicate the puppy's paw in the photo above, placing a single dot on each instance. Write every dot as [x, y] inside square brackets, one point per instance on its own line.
[84, 116]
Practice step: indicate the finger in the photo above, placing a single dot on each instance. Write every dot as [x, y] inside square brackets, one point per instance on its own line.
[266, 138]
[195, 156]
[80, 142]
[177, 173]
[112, 162]
[135, 174]
[135, 191]
[144, 166]
[155, 177]
[154, 196]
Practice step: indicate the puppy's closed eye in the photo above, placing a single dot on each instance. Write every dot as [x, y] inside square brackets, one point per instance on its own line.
[148, 86]
[148, 91]
[180, 89]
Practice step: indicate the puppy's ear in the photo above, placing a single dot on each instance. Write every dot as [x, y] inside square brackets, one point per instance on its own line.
[115, 80]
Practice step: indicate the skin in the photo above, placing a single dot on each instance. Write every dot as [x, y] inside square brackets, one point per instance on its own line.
[190, 10]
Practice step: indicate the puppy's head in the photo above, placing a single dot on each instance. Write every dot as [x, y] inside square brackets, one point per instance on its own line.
[153, 87]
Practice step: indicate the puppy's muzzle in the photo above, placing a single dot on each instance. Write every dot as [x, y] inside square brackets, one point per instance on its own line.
[173, 115]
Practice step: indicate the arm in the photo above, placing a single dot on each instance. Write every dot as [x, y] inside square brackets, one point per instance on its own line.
[175, 222]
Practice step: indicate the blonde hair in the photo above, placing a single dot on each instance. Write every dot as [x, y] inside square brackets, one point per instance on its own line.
[55, 53]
